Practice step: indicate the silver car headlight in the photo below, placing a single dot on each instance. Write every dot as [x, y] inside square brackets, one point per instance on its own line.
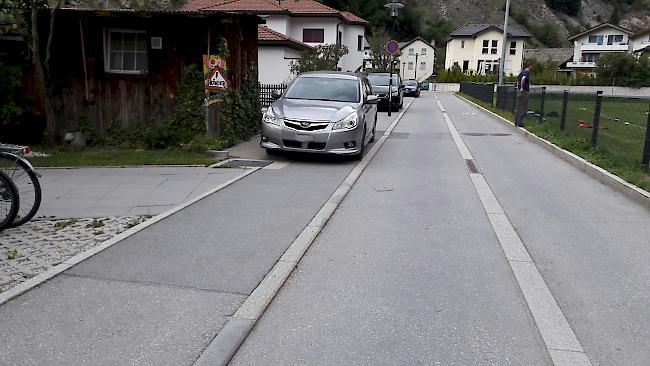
[348, 122]
[270, 117]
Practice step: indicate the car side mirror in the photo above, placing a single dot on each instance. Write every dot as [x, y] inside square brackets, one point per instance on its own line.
[276, 94]
[372, 99]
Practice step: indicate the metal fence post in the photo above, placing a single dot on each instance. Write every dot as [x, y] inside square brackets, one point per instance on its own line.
[646, 147]
[594, 132]
[514, 102]
[565, 102]
[541, 105]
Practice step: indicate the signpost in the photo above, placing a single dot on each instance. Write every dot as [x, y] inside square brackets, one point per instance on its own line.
[391, 47]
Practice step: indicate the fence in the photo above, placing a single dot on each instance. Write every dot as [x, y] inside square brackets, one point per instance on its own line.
[480, 91]
[619, 126]
[265, 93]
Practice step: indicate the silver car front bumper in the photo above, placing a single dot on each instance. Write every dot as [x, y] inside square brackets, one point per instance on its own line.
[322, 141]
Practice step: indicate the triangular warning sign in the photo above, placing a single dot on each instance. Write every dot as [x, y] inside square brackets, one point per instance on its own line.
[217, 79]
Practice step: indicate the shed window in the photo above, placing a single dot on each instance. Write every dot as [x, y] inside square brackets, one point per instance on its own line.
[313, 35]
[126, 51]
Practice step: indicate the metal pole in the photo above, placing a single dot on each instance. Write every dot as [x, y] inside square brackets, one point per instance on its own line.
[646, 147]
[565, 103]
[502, 62]
[416, 67]
[541, 105]
[390, 86]
[594, 132]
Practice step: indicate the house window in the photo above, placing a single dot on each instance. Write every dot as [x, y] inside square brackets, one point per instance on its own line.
[313, 35]
[423, 65]
[411, 52]
[513, 48]
[359, 43]
[494, 47]
[410, 66]
[589, 57]
[596, 39]
[486, 45]
[611, 39]
[423, 52]
[126, 52]
[462, 44]
[465, 65]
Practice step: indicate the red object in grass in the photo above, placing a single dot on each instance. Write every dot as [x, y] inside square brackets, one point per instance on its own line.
[27, 150]
[583, 123]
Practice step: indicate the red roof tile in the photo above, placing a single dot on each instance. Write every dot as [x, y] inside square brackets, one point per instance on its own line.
[296, 7]
[267, 34]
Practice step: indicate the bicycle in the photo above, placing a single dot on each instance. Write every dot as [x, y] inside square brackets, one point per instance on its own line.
[9, 201]
[25, 178]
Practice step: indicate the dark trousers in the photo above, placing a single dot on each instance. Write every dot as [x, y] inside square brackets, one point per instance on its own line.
[522, 108]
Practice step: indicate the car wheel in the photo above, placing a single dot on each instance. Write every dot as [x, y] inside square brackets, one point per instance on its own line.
[362, 149]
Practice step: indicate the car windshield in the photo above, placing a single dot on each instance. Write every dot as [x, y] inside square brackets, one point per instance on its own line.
[411, 83]
[381, 79]
[324, 88]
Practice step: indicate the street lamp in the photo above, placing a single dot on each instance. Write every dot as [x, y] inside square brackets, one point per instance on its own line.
[502, 61]
[394, 7]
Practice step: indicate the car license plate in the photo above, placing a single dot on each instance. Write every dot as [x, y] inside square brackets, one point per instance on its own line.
[304, 138]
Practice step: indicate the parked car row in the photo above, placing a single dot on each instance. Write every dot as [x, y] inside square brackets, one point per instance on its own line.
[329, 112]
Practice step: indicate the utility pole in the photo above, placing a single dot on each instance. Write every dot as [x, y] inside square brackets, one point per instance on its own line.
[502, 61]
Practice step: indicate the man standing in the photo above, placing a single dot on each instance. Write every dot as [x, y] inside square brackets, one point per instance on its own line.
[523, 87]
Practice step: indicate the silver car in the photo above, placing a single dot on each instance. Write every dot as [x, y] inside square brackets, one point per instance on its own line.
[323, 112]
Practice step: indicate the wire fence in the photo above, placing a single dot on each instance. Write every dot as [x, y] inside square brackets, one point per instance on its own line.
[480, 91]
[265, 93]
[619, 126]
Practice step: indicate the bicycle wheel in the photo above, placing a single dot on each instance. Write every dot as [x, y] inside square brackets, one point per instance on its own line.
[9, 201]
[26, 181]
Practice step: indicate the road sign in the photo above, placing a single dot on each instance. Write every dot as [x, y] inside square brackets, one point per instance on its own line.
[392, 47]
[217, 80]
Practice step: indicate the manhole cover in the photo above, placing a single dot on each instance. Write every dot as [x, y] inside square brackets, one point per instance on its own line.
[244, 163]
[400, 135]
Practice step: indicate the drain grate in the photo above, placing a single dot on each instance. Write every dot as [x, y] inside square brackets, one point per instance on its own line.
[471, 166]
[244, 163]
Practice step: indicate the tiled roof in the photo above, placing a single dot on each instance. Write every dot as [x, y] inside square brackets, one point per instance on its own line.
[268, 35]
[472, 29]
[291, 7]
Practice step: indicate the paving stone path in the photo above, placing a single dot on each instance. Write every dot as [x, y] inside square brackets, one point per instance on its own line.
[33, 248]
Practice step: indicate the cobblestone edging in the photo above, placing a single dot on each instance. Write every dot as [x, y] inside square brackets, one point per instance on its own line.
[39, 245]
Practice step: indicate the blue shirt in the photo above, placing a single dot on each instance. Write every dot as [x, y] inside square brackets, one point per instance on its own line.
[526, 85]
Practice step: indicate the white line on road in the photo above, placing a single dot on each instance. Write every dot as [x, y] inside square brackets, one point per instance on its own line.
[35, 281]
[224, 346]
[561, 342]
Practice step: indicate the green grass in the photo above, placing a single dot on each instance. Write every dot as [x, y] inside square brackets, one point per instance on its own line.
[620, 145]
[101, 157]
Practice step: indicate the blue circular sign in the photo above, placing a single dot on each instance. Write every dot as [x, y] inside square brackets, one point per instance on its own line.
[392, 47]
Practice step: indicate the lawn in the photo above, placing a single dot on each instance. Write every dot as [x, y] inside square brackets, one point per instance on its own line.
[620, 145]
[106, 157]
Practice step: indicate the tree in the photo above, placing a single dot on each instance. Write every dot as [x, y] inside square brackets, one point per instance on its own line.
[612, 66]
[324, 57]
[380, 57]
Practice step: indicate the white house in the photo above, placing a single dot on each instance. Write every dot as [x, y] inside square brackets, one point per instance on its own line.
[590, 44]
[640, 42]
[417, 59]
[303, 23]
[477, 48]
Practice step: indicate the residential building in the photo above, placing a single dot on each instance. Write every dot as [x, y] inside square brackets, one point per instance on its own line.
[640, 42]
[588, 45]
[417, 59]
[276, 52]
[477, 48]
[304, 22]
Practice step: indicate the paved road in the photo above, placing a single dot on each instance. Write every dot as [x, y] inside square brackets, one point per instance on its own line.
[408, 271]
[160, 296]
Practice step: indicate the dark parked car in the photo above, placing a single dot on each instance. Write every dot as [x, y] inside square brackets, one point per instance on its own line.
[324, 112]
[379, 82]
[411, 88]
[424, 85]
